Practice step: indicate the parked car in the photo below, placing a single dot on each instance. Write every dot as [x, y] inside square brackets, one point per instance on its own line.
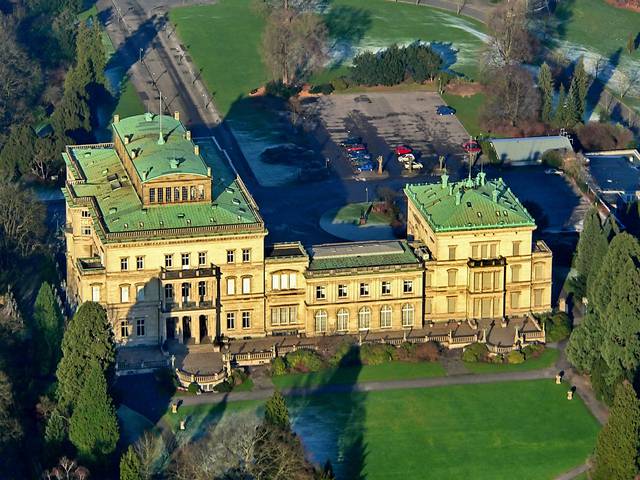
[359, 155]
[407, 157]
[355, 148]
[553, 171]
[351, 141]
[413, 166]
[403, 150]
[365, 167]
[445, 110]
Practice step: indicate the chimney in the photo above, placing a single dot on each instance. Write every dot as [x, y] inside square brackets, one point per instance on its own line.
[482, 177]
[196, 149]
[126, 139]
[176, 115]
[209, 171]
[458, 196]
[134, 153]
[188, 135]
[444, 178]
[495, 195]
[116, 118]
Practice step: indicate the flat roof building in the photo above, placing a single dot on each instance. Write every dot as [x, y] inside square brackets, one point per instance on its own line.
[528, 150]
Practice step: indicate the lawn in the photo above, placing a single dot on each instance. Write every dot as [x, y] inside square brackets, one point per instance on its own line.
[129, 102]
[525, 430]
[547, 359]
[224, 39]
[365, 373]
[351, 213]
[467, 110]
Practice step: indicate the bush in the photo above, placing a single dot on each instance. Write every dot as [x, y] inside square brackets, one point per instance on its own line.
[489, 153]
[553, 158]
[557, 326]
[533, 351]
[304, 360]
[376, 353]
[346, 355]
[497, 359]
[428, 352]
[167, 380]
[476, 352]
[341, 83]
[238, 377]
[406, 352]
[222, 387]
[515, 357]
[193, 388]
[604, 136]
[278, 367]
[323, 88]
[279, 89]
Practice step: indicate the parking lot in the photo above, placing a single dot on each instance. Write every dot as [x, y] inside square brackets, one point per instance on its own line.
[384, 121]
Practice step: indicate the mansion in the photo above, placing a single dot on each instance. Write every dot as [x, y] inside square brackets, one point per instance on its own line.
[163, 233]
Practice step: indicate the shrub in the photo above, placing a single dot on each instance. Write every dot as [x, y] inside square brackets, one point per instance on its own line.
[304, 360]
[489, 152]
[346, 355]
[193, 388]
[553, 158]
[515, 357]
[476, 352]
[167, 380]
[341, 83]
[376, 353]
[533, 351]
[279, 89]
[557, 326]
[222, 387]
[497, 359]
[323, 88]
[405, 352]
[278, 367]
[604, 136]
[238, 377]
[428, 352]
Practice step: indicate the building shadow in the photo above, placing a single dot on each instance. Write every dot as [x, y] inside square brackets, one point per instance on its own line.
[598, 87]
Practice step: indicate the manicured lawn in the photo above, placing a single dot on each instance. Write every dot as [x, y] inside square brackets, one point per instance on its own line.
[547, 359]
[224, 39]
[366, 373]
[352, 212]
[245, 386]
[467, 110]
[129, 102]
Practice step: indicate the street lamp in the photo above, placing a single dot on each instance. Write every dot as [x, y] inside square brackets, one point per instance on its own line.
[140, 50]
[366, 191]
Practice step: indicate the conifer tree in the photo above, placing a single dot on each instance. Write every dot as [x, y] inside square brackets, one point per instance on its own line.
[87, 339]
[93, 426]
[616, 453]
[572, 110]
[276, 412]
[591, 248]
[580, 81]
[48, 329]
[560, 113]
[17, 152]
[545, 81]
[130, 465]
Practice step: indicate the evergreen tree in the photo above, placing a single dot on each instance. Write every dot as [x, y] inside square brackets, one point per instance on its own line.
[559, 117]
[93, 427]
[87, 339]
[276, 412]
[545, 81]
[580, 82]
[17, 152]
[583, 349]
[48, 329]
[616, 453]
[572, 110]
[130, 465]
[591, 248]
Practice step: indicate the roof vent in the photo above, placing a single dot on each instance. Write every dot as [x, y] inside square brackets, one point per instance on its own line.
[87, 153]
[141, 224]
[161, 223]
[196, 149]
[181, 215]
[127, 139]
[176, 115]
[188, 221]
[188, 134]
[112, 210]
[174, 163]
[116, 118]
[126, 225]
[148, 117]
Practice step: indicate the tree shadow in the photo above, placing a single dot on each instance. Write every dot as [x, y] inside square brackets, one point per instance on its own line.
[603, 75]
[563, 13]
[346, 27]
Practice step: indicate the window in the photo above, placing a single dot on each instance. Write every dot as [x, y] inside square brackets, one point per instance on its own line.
[139, 292]
[231, 286]
[124, 293]
[538, 271]
[343, 320]
[124, 263]
[284, 282]
[246, 285]
[451, 277]
[364, 318]
[451, 304]
[231, 320]
[428, 306]
[140, 323]
[284, 315]
[515, 299]
[168, 292]
[385, 316]
[160, 195]
[246, 255]
[86, 230]
[321, 321]
[408, 312]
[484, 250]
[493, 250]
[167, 192]
[202, 258]
[192, 193]
[185, 194]
[516, 248]
[186, 291]
[168, 260]
[487, 282]
[85, 214]
[139, 263]
[364, 289]
[407, 286]
[429, 279]
[293, 281]
[321, 292]
[452, 252]
[202, 289]
[275, 281]
[200, 192]
[124, 329]
[95, 293]
[246, 319]
[342, 291]
[176, 194]
[386, 288]
[152, 195]
[537, 297]
[231, 256]
[515, 273]
[186, 260]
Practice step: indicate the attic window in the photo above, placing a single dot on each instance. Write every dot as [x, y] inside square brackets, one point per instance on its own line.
[181, 215]
[497, 213]
[505, 213]
[479, 214]
[126, 225]
[188, 221]
[469, 204]
[236, 201]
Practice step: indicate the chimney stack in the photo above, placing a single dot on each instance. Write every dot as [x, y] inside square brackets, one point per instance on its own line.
[188, 134]
[116, 118]
[196, 149]
[176, 115]
[445, 180]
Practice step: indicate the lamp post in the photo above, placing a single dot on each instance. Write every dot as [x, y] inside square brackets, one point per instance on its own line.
[140, 50]
[366, 191]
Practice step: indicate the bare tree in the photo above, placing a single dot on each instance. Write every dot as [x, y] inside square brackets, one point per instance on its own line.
[630, 80]
[153, 453]
[460, 6]
[21, 219]
[511, 39]
[66, 470]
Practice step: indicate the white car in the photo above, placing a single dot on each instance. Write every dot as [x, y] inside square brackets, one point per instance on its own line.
[412, 165]
[553, 171]
[407, 157]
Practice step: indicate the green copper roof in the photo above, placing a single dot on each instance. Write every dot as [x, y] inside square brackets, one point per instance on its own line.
[334, 256]
[119, 210]
[152, 160]
[471, 204]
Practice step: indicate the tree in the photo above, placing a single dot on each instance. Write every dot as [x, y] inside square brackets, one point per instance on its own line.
[591, 248]
[511, 41]
[10, 428]
[559, 117]
[88, 339]
[130, 465]
[48, 324]
[545, 82]
[580, 84]
[93, 426]
[21, 221]
[572, 108]
[17, 152]
[631, 43]
[292, 44]
[276, 412]
[616, 453]
[67, 470]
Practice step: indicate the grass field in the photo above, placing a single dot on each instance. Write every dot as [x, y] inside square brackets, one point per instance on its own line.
[467, 110]
[366, 373]
[352, 212]
[547, 359]
[524, 430]
[129, 102]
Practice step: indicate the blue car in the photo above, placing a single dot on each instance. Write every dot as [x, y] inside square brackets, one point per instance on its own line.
[445, 110]
[365, 167]
[358, 156]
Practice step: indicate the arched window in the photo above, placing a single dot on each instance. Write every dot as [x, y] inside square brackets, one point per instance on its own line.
[176, 194]
[364, 318]
[321, 321]
[385, 316]
[452, 277]
[408, 314]
[185, 194]
[343, 320]
[192, 193]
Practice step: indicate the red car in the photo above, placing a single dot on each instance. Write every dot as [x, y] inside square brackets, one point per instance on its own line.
[356, 148]
[403, 150]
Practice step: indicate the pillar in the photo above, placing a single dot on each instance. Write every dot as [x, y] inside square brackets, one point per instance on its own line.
[195, 328]
[179, 330]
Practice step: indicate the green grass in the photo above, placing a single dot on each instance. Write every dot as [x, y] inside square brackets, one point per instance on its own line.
[245, 386]
[467, 110]
[224, 39]
[547, 359]
[352, 211]
[366, 373]
[129, 102]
